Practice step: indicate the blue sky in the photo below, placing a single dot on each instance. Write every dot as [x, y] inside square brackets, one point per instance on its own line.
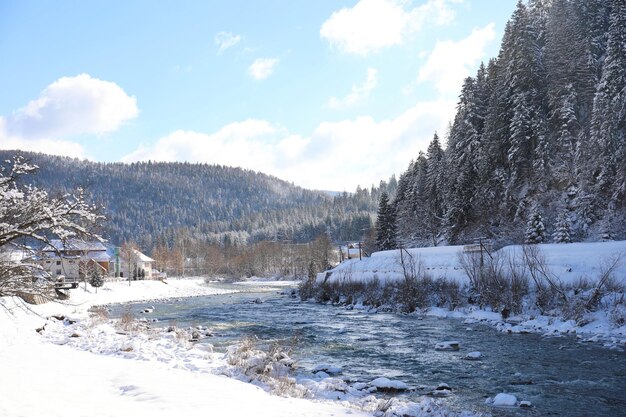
[326, 94]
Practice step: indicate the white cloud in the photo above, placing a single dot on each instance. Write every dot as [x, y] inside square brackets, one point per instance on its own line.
[336, 156]
[451, 62]
[226, 40]
[372, 25]
[358, 93]
[49, 146]
[73, 106]
[68, 107]
[262, 68]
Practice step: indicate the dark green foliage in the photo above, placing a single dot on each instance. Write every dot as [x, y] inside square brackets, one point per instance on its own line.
[385, 224]
[543, 125]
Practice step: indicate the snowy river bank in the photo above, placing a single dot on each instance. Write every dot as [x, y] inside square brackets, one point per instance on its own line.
[556, 372]
[99, 367]
[76, 366]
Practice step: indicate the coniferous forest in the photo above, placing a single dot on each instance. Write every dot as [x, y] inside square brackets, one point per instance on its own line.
[160, 203]
[538, 140]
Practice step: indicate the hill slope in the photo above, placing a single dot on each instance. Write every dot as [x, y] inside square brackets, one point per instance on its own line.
[149, 201]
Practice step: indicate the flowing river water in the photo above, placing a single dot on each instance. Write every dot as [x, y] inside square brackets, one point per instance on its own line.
[560, 376]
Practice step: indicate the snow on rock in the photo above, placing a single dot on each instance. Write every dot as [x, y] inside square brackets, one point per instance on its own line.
[442, 390]
[330, 369]
[473, 356]
[503, 400]
[448, 345]
[386, 384]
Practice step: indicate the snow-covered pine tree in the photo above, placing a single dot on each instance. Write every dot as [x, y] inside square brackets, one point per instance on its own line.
[96, 280]
[609, 114]
[562, 229]
[435, 189]
[535, 229]
[385, 224]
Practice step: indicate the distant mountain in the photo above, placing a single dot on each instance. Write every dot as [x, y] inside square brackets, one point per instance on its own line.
[150, 202]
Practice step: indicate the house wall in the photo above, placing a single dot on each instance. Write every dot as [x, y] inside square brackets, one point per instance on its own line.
[126, 269]
[67, 267]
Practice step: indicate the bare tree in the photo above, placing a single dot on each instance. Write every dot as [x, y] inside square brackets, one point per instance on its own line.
[128, 252]
[27, 212]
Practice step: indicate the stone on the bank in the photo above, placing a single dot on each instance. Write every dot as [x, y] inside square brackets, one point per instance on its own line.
[473, 356]
[386, 384]
[448, 345]
[504, 400]
[330, 369]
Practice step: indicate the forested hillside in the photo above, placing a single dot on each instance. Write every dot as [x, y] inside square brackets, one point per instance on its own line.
[539, 137]
[152, 203]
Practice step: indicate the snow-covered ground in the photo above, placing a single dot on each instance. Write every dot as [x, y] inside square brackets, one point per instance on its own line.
[82, 366]
[569, 263]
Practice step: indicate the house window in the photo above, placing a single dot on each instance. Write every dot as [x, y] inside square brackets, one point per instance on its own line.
[58, 272]
[47, 262]
[58, 262]
[72, 262]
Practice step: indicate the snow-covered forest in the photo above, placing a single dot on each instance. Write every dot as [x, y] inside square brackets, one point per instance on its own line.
[157, 203]
[540, 133]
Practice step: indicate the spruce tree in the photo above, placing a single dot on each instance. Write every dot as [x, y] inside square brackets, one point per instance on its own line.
[535, 230]
[96, 280]
[562, 229]
[385, 224]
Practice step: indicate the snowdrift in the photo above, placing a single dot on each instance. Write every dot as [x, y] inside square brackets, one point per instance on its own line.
[569, 262]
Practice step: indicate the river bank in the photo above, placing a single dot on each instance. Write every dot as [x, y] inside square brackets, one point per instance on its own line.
[79, 364]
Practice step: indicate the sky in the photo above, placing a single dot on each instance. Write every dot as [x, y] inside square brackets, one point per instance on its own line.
[325, 94]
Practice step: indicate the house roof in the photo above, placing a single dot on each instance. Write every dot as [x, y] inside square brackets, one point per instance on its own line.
[74, 245]
[143, 257]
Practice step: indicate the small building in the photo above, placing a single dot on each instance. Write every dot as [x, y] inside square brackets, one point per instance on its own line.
[351, 251]
[140, 266]
[74, 258]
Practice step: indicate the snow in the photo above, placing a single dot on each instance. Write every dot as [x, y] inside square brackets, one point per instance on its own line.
[568, 262]
[92, 368]
[385, 265]
[504, 400]
[331, 369]
[383, 383]
[474, 356]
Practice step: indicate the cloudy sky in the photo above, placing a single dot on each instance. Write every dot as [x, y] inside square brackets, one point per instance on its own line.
[328, 94]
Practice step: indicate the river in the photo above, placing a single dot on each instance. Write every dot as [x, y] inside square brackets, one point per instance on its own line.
[560, 376]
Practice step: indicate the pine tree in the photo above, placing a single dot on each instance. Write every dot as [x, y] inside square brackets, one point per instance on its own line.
[535, 230]
[563, 229]
[95, 279]
[609, 114]
[385, 224]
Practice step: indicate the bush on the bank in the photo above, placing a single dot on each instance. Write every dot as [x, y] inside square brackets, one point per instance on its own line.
[497, 282]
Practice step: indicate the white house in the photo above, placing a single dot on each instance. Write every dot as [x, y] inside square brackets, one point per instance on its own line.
[73, 258]
[140, 266]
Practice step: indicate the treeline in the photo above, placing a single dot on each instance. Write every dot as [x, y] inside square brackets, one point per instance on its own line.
[277, 259]
[539, 138]
[160, 203]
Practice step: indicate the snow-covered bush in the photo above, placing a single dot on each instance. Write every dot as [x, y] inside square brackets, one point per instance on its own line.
[271, 367]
